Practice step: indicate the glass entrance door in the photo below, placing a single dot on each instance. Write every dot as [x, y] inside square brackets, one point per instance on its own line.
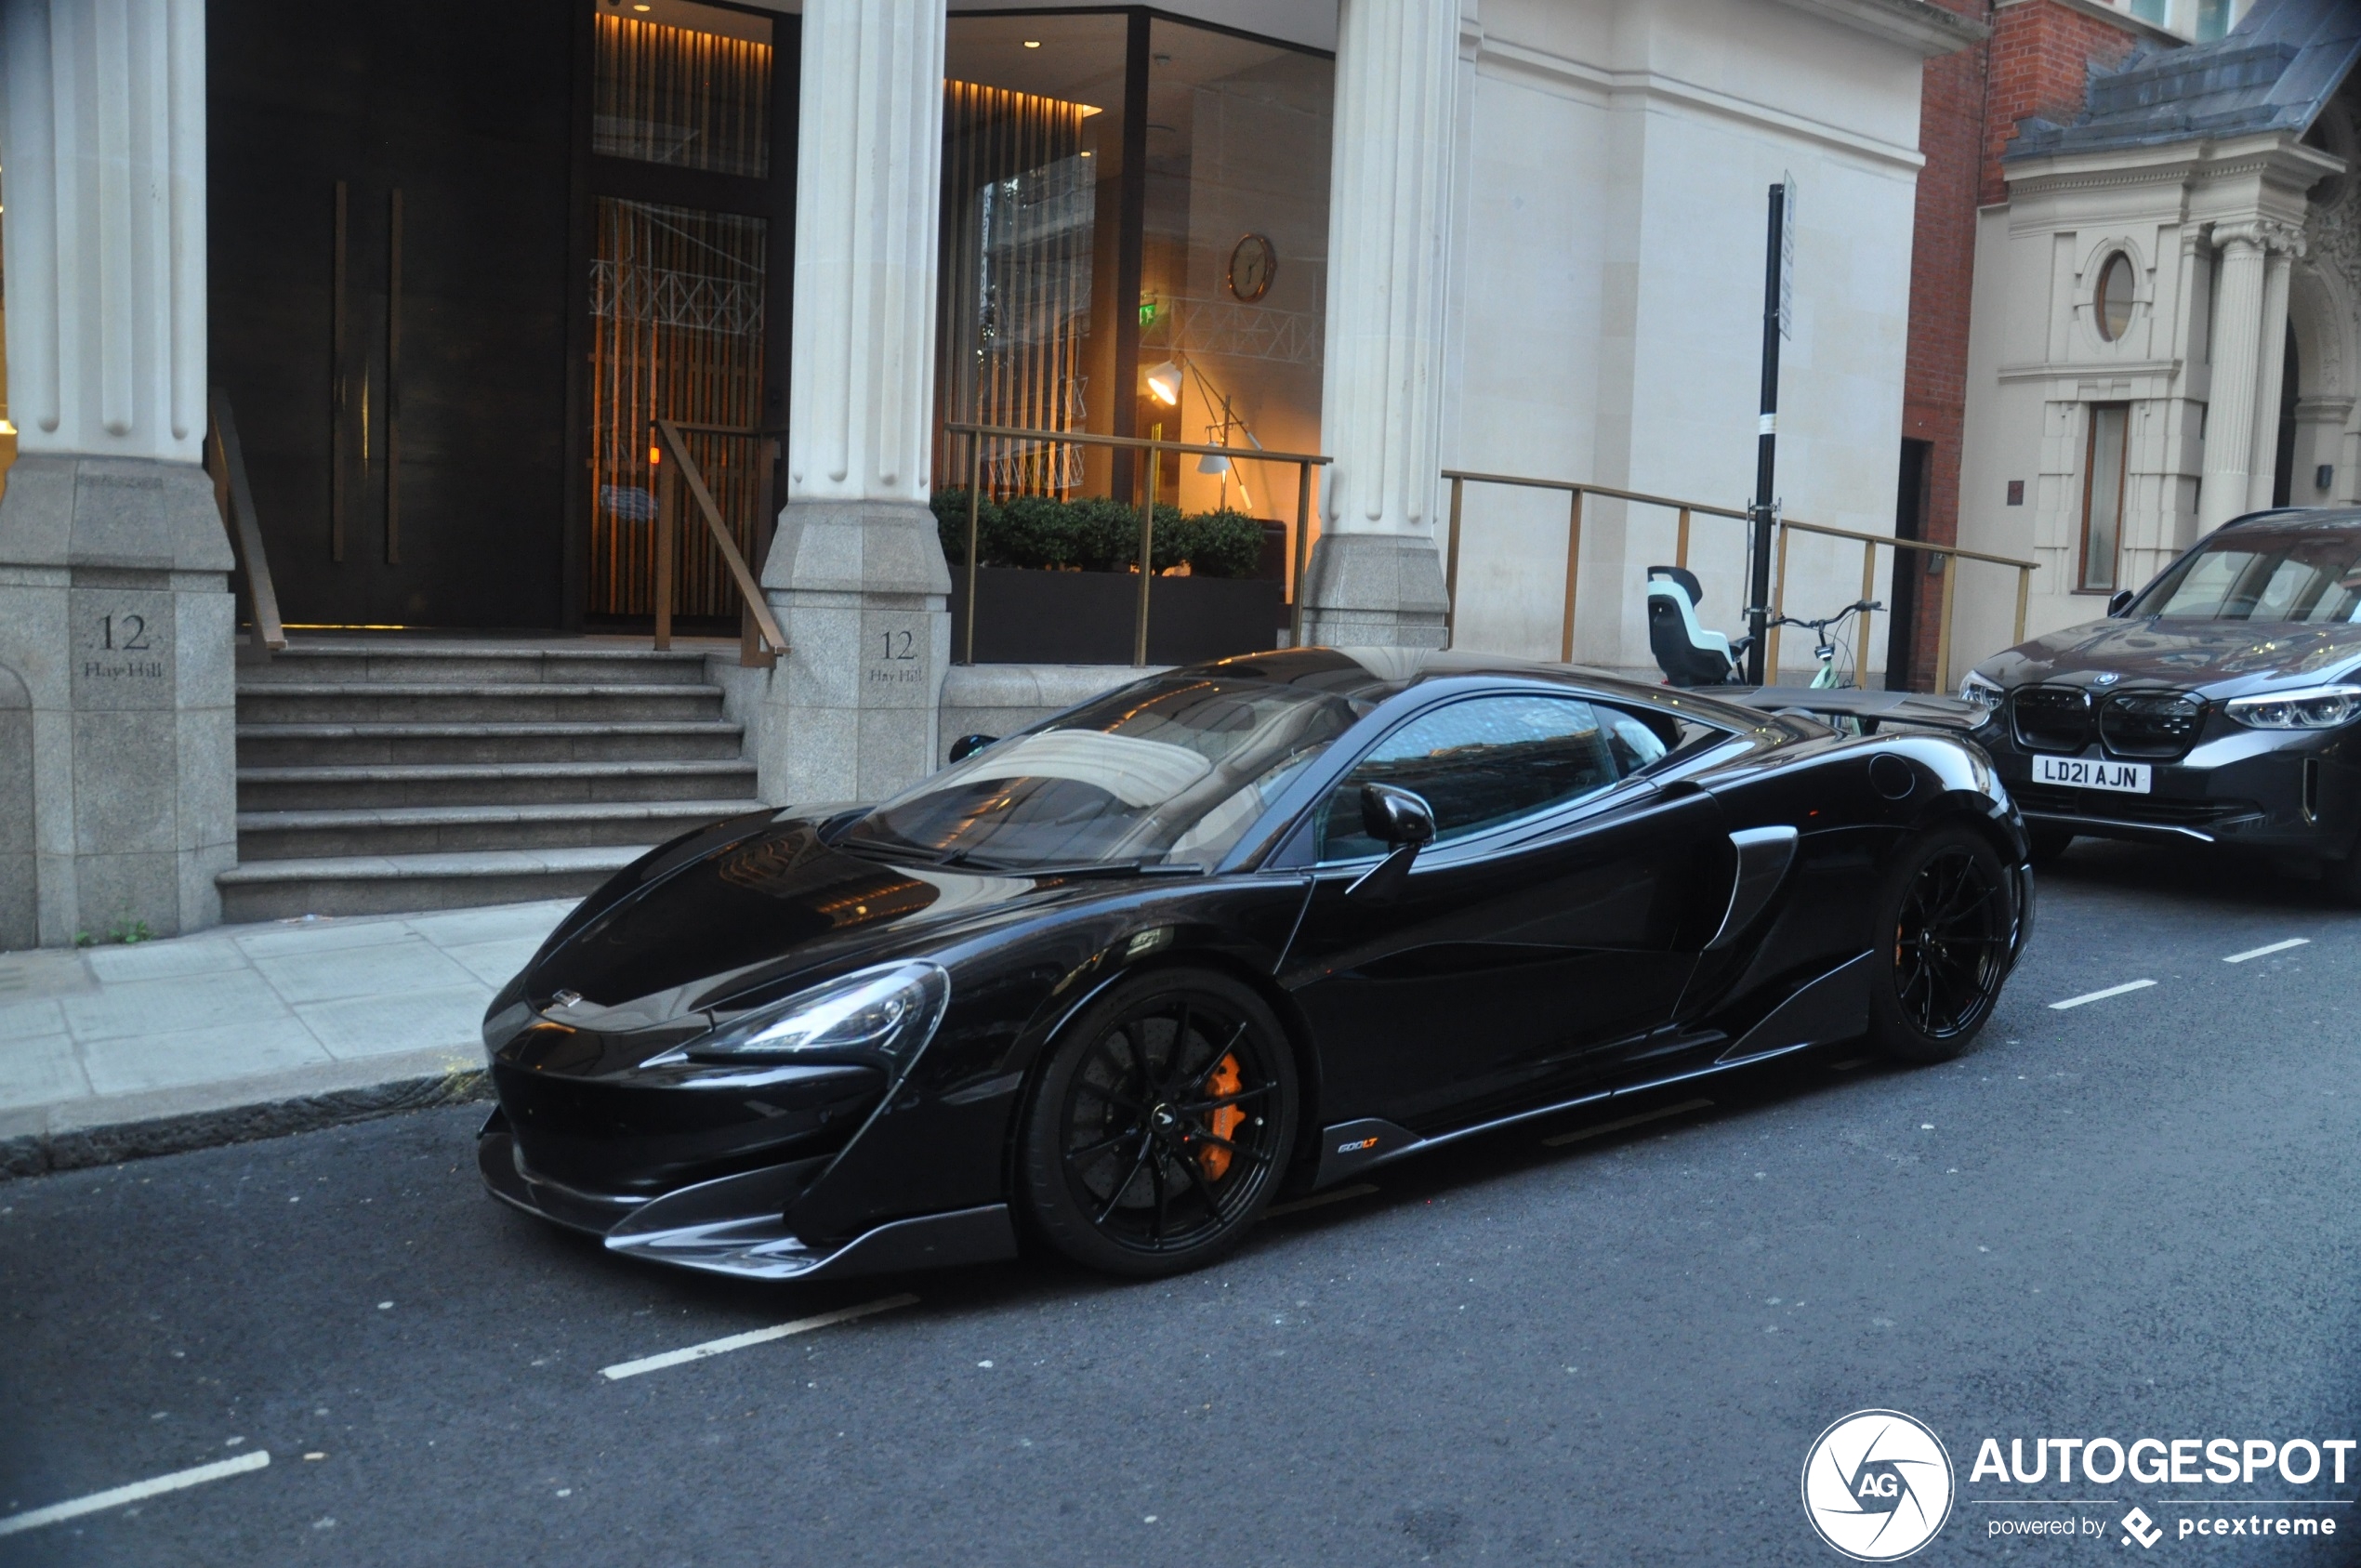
[692, 174]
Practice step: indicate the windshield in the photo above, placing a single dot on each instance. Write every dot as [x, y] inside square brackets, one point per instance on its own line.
[1172, 770]
[2263, 573]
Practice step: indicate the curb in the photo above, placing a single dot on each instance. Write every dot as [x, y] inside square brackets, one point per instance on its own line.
[108, 1129]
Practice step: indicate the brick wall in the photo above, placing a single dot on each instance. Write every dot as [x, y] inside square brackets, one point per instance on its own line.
[2035, 65]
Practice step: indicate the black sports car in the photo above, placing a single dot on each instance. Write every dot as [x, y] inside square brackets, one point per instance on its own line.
[2216, 706]
[1243, 928]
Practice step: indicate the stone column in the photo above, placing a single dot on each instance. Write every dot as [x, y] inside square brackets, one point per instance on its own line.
[115, 615]
[2282, 246]
[2238, 362]
[1376, 574]
[857, 572]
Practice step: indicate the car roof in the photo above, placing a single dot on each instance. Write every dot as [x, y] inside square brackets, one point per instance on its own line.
[1372, 674]
[2305, 517]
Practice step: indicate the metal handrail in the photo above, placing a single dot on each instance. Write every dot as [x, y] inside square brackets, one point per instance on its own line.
[227, 463]
[760, 641]
[1154, 446]
[1461, 478]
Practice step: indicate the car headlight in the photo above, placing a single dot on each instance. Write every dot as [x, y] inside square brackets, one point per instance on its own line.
[2314, 707]
[892, 1008]
[1985, 694]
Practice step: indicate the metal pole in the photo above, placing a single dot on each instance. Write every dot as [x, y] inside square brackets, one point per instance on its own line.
[1778, 606]
[1868, 585]
[1451, 570]
[1147, 546]
[2024, 585]
[1302, 549]
[1573, 576]
[1766, 457]
[1680, 546]
[667, 533]
[975, 505]
[1942, 632]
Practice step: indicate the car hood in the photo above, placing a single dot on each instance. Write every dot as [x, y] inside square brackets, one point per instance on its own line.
[748, 903]
[2222, 658]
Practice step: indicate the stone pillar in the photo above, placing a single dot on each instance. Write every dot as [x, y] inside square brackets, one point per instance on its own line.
[2238, 362]
[115, 614]
[2263, 472]
[857, 572]
[1376, 574]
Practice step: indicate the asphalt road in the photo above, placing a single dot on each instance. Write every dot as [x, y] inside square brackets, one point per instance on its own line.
[2134, 1218]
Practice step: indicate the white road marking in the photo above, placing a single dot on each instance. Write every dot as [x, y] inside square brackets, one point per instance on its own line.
[1604, 1127]
[99, 1502]
[1358, 1190]
[756, 1336]
[2266, 951]
[2100, 995]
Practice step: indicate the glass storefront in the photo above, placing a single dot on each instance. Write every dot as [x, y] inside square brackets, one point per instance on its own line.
[1134, 242]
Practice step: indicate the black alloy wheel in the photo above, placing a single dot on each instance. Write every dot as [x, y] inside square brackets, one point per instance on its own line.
[1161, 1126]
[1945, 918]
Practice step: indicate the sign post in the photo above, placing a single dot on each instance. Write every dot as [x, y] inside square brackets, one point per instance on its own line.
[1778, 323]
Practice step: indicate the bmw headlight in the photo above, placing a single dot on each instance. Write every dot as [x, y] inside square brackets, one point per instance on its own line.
[892, 1008]
[1985, 694]
[2314, 707]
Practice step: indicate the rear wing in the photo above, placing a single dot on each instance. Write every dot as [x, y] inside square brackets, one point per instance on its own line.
[1864, 713]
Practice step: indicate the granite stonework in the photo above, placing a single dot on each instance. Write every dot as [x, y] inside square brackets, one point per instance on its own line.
[1374, 590]
[862, 593]
[117, 624]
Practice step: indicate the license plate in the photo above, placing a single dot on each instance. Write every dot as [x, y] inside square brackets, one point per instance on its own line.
[2082, 772]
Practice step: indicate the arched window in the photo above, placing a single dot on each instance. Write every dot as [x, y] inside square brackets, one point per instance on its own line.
[2113, 309]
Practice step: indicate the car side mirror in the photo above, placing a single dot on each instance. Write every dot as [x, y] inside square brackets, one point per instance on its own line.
[1401, 818]
[968, 745]
[2120, 603]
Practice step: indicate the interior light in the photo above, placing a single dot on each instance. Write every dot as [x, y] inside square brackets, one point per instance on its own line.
[641, 6]
[1212, 463]
[655, 454]
[6, 427]
[1164, 382]
[1032, 43]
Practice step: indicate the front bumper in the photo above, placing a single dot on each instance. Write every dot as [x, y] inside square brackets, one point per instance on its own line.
[736, 1225]
[2293, 794]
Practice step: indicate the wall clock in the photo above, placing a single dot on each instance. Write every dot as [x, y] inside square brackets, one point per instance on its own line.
[1252, 266]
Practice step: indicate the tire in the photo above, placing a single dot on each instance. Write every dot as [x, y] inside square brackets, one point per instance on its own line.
[1941, 955]
[1160, 1126]
[2049, 843]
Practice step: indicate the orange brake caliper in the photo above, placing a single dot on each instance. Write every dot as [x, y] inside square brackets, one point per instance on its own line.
[1223, 1082]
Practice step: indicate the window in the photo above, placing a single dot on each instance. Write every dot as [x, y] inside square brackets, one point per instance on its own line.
[2259, 574]
[1490, 761]
[2112, 308]
[2102, 471]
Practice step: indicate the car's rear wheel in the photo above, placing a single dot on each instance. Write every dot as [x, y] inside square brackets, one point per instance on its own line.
[1161, 1126]
[1945, 919]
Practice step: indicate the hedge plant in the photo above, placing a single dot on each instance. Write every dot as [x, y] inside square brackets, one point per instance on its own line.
[1095, 534]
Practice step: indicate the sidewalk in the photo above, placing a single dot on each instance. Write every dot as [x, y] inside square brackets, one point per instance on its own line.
[108, 1053]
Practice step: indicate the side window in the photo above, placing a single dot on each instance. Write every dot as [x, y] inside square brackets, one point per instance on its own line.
[1481, 762]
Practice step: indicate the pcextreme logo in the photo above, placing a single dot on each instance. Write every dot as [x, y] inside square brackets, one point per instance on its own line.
[1876, 1485]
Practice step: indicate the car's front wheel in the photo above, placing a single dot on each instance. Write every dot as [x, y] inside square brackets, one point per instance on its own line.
[1944, 920]
[1160, 1126]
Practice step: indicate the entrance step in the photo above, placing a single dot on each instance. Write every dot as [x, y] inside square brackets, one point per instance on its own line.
[286, 890]
[405, 830]
[410, 773]
[333, 787]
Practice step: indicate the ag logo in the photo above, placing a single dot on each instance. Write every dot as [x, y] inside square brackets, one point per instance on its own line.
[1876, 1485]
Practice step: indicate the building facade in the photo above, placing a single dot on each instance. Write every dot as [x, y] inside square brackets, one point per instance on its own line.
[448, 266]
[2164, 313]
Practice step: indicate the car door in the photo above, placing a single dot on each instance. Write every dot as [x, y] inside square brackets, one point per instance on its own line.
[1533, 943]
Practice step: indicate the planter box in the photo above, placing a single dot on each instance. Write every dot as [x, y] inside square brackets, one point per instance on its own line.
[1085, 617]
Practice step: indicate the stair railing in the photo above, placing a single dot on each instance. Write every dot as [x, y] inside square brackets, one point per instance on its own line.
[1942, 559]
[760, 641]
[225, 461]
